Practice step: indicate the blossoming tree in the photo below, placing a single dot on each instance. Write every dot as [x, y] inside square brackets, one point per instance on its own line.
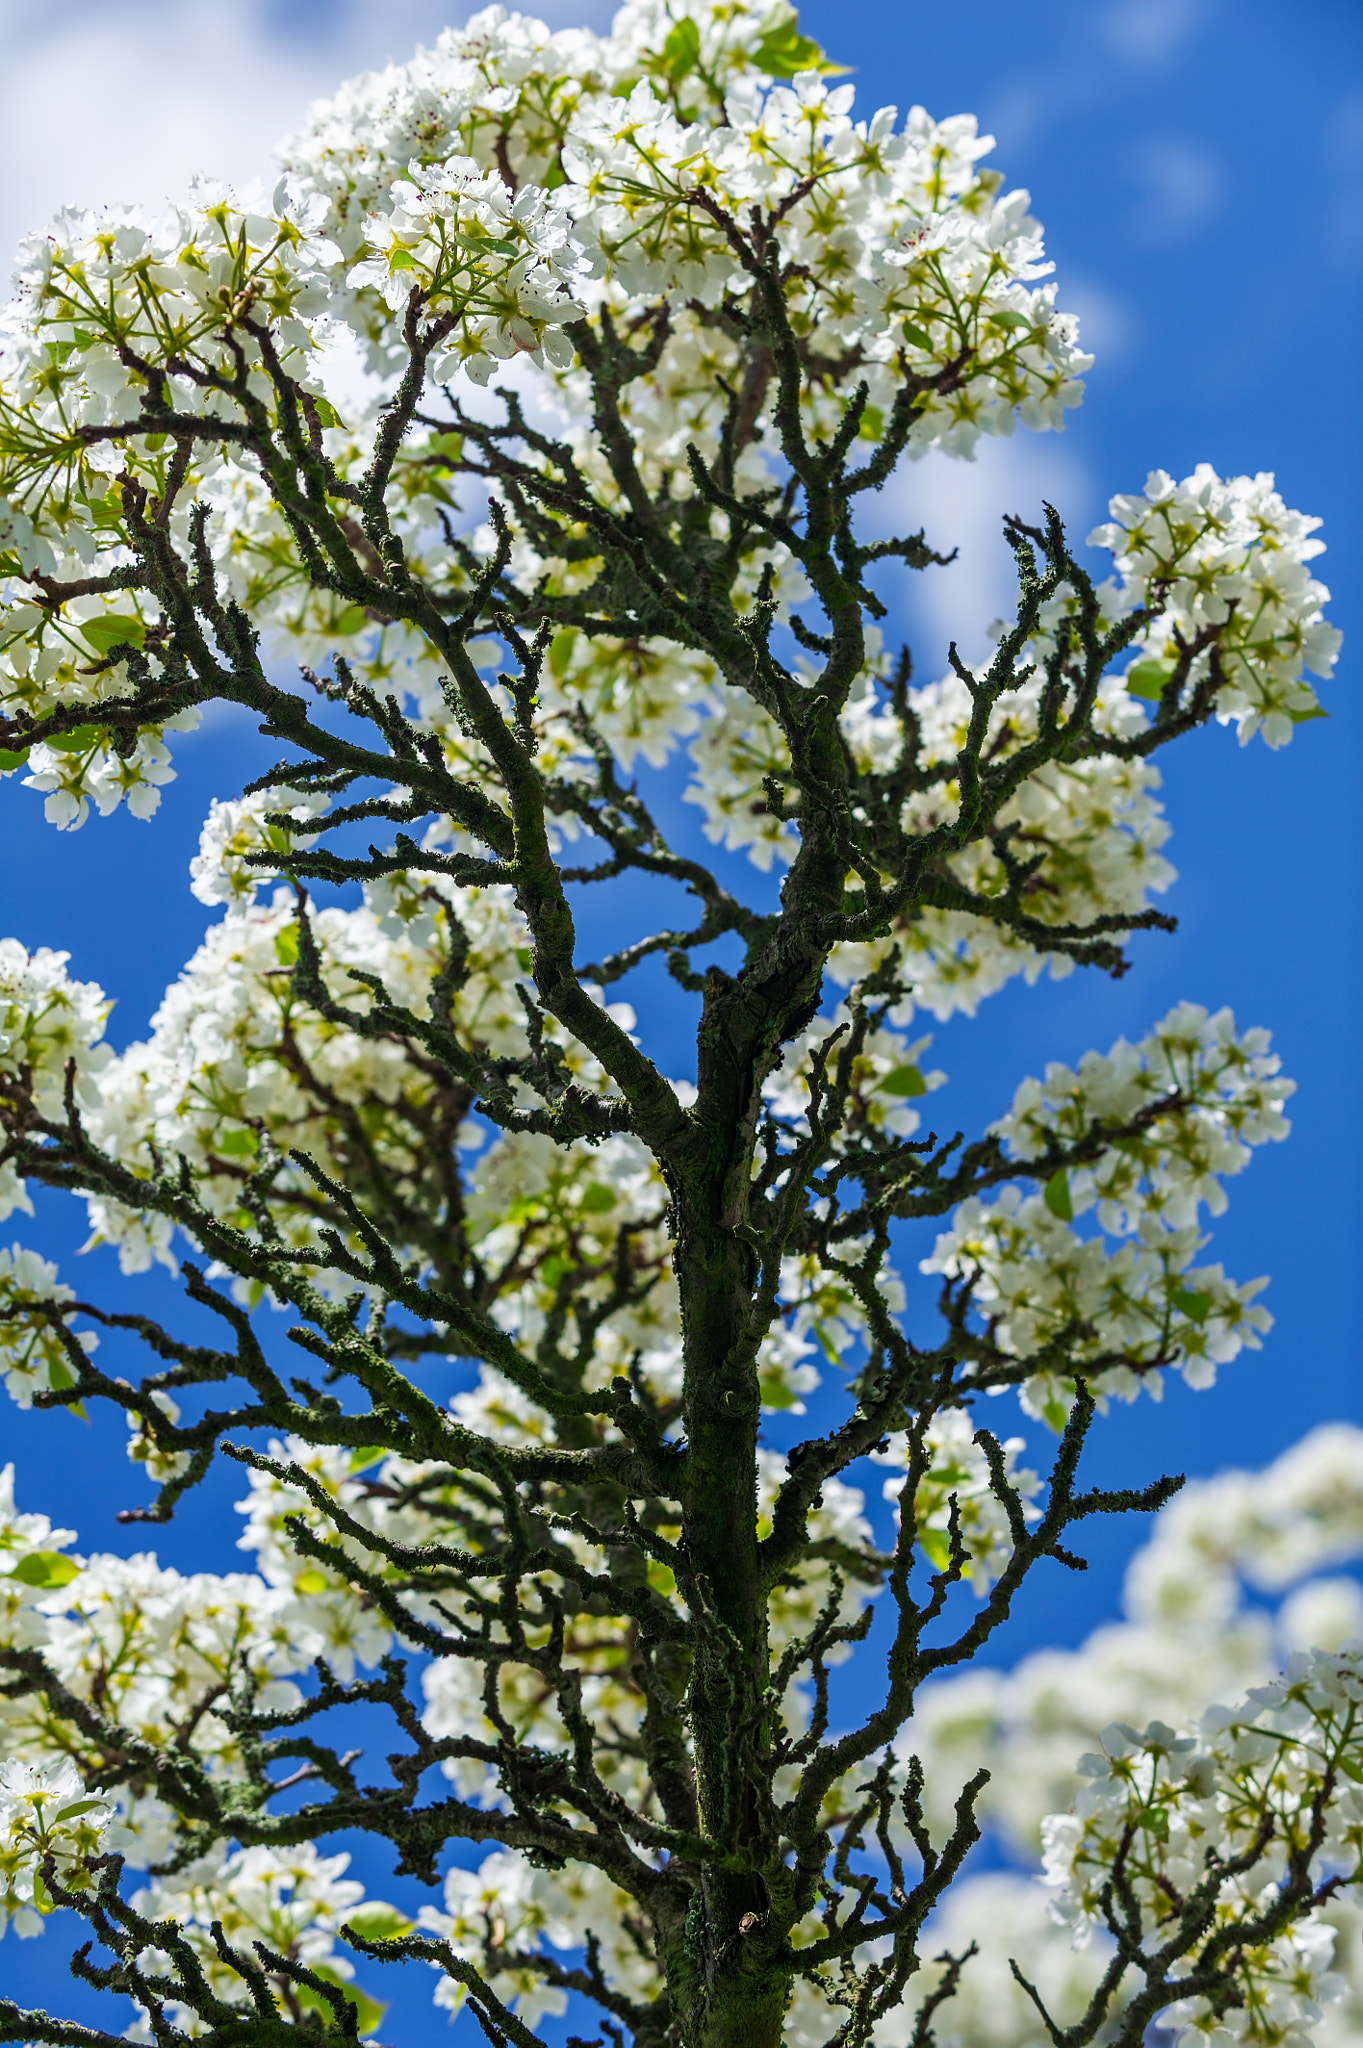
[526, 432]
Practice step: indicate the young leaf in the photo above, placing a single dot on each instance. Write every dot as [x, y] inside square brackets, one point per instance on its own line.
[681, 51]
[1193, 1305]
[783, 51]
[1056, 1196]
[369, 2011]
[376, 1920]
[113, 629]
[1147, 679]
[78, 741]
[904, 1081]
[46, 1569]
[237, 1145]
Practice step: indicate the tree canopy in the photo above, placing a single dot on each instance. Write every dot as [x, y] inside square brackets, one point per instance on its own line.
[515, 464]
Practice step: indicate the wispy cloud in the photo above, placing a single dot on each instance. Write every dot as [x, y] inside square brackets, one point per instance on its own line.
[1106, 323]
[1343, 140]
[1151, 30]
[1179, 186]
[128, 99]
[961, 505]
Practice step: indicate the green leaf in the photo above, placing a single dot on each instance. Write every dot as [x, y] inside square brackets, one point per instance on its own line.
[327, 415]
[783, 50]
[935, 1545]
[1147, 679]
[1056, 1196]
[59, 1378]
[401, 259]
[237, 1145]
[286, 946]
[352, 620]
[1157, 1823]
[366, 1455]
[525, 959]
[77, 742]
[1055, 1415]
[1193, 1305]
[480, 245]
[113, 629]
[312, 1581]
[369, 2011]
[45, 1568]
[681, 51]
[916, 335]
[1304, 717]
[77, 1808]
[108, 510]
[376, 1920]
[904, 1081]
[775, 1394]
[1006, 317]
[872, 423]
[10, 761]
[596, 1198]
[561, 651]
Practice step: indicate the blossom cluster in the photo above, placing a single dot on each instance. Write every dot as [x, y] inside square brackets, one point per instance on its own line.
[1249, 1787]
[1094, 828]
[1230, 555]
[34, 1332]
[512, 1910]
[957, 1491]
[44, 1811]
[48, 1022]
[502, 266]
[292, 1902]
[238, 828]
[1185, 1106]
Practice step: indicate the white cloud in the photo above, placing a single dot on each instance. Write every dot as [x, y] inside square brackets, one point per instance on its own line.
[962, 505]
[1180, 187]
[128, 99]
[1105, 321]
[1152, 29]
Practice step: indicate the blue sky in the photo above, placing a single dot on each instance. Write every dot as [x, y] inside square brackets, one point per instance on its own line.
[1199, 168]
